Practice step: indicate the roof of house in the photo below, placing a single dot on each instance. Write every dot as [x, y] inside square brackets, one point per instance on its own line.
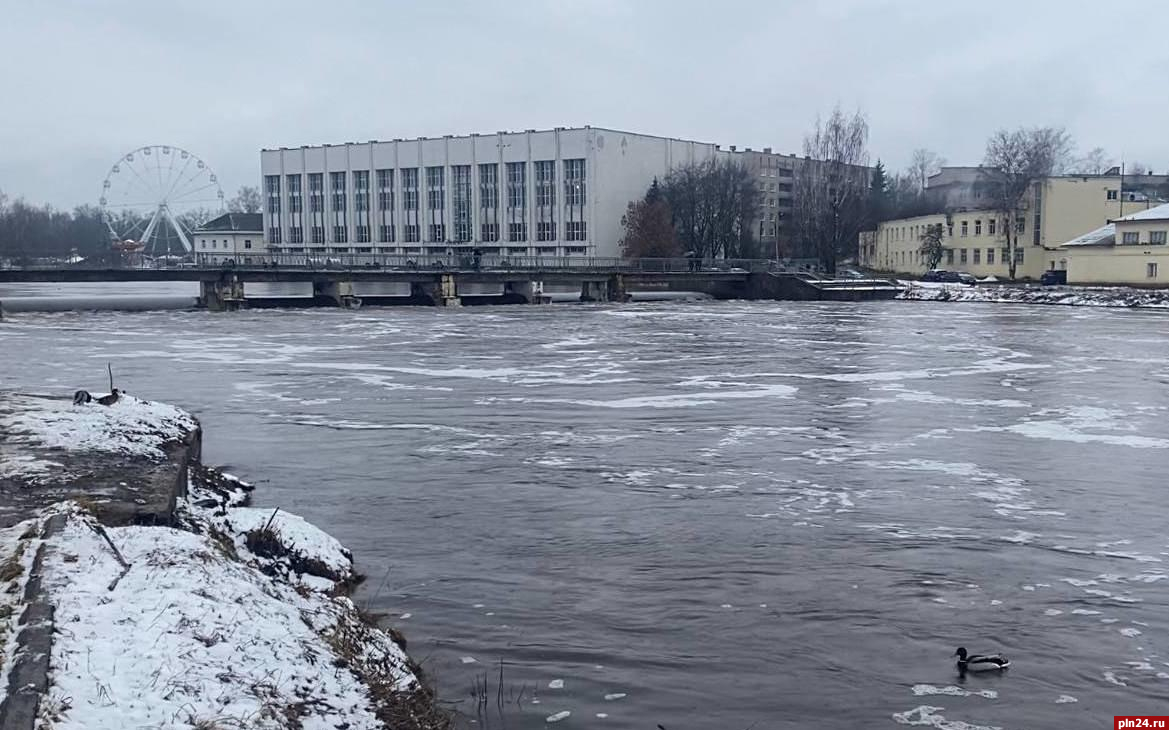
[233, 223]
[1102, 236]
[1157, 213]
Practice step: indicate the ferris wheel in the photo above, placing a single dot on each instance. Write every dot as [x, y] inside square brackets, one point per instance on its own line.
[155, 196]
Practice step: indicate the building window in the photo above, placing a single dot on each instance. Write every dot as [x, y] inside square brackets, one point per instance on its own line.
[546, 183]
[545, 231]
[1020, 224]
[362, 233]
[1113, 194]
[1006, 255]
[295, 202]
[435, 188]
[340, 234]
[337, 186]
[461, 201]
[272, 184]
[1019, 255]
[489, 232]
[410, 188]
[962, 256]
[575, 231]
[990, 224]
[977, 255]
[412, 233]
[385, 190]
[1151, 270]
[296, 234]
[990, 256]
[316, 192]
[247, 244]
[437, 233]
[489, 185]
[318, 234]
[949, 230]
[574, 182]
[978, 228]
[361, 190]
[1131, 237]
[949, 257]
[273, 236]
[516, 194]
[965, 229]
[1157, 238]
[517, 232]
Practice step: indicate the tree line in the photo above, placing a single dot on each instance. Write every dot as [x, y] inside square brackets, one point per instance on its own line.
[29, 231]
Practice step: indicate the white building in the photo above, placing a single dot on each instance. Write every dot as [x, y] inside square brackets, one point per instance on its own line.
[234, 237]
[558, 192]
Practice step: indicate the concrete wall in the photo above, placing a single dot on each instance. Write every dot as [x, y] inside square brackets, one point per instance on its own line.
[1126, 265]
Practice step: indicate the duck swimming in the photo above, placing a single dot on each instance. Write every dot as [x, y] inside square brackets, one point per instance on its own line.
[980, 662]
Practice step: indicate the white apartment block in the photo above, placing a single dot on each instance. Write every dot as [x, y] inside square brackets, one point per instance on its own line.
[558, 192]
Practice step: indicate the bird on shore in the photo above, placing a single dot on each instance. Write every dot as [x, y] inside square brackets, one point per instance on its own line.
[980, 662]
[109, 400]
[81, 397]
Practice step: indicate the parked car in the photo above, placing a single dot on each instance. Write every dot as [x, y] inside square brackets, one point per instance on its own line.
[935, 275]
[964, 278]
[1054, 278]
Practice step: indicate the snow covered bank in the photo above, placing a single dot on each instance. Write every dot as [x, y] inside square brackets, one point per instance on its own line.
[187, 627]
[128, 426]
[1073, 296]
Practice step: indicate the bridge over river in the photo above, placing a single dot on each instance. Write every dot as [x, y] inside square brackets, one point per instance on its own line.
[352, 280]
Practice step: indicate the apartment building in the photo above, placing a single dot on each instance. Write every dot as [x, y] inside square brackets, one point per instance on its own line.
[1057, 209]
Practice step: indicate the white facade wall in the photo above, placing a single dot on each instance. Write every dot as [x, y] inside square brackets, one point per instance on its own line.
[618, 167]
[241, 247]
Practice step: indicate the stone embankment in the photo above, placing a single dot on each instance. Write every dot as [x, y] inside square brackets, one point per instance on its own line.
[1064, 295]
[139, 589]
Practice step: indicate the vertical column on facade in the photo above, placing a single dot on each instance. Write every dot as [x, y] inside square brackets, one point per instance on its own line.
[560, 190]
[350, 199]
[448, 191]
[530, 192]
[476, 224]
[590, 204]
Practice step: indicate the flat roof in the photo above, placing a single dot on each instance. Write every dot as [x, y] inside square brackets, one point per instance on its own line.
[1157, 213]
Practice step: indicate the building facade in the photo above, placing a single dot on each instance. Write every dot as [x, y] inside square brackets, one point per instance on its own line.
[1057, 209]
[559, 192]
[234, 237]
[1131, 251]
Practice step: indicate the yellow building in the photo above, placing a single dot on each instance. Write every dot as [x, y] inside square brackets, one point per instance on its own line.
[1057, 209]
[1129, 251]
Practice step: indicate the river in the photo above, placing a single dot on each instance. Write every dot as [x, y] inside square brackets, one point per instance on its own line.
[703, 515]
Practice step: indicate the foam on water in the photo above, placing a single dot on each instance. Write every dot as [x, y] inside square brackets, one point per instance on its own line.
[928, 715]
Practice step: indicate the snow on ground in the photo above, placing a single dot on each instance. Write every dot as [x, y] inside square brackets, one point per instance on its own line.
[18, 546]
[129, 426]
[195, 632]
[309, 545]
[1076, 296]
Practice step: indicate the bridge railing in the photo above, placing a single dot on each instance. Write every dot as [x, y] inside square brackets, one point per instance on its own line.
[499, 262]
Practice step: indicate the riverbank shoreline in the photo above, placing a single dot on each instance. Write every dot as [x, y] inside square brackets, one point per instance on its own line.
[1116, 297]
[142, 597]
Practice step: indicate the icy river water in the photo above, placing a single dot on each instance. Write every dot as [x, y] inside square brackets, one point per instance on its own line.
[704, 515]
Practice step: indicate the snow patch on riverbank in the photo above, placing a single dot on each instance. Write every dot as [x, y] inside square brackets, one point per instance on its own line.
[1070, 296]
[129, 426]
[194, 632]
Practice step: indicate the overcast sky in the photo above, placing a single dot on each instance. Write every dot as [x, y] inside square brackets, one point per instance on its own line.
[83, 82]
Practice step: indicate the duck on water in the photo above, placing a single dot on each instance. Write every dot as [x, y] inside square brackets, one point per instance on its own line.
[980, 662]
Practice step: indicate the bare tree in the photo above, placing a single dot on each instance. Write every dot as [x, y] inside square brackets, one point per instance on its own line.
[1014, 164]
[923, 165]
[931, 248]
[712, 205]
[832, 188]
[1095, 162]
[1137, 168]
[649, 230]
[247, 200]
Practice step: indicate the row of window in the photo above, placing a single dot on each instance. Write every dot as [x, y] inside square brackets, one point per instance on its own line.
[1156, 238]
[964, 256]
[214, 243]
[436, 233]
[574, 185]
[435, 250]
